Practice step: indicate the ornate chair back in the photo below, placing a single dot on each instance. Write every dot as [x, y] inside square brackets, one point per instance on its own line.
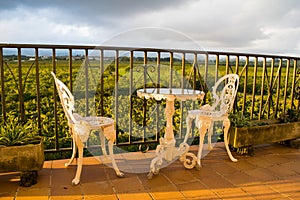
[66, 98]
[224, 99]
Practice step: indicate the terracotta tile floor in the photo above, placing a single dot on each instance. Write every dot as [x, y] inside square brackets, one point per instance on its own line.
[272, 173]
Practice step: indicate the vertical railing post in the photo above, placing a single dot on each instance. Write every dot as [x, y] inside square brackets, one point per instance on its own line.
[144, 100]
[117, 92]
[171, 70]
[245, 84]
[217, 68]
[86, 72]
[21, 89]
[71, 75]
[206, 68]
[227, 63]
[158, 86]
[270, 89]
[253, 87]
[182, 87]
[183, 70]
[101, 81]
[195, 68]
[71, 69]
[287, 72]
[237, 63]
[278, 87]
[145, 69]
[3, 107]
[293, 83]
[55, 101]
[38, 99]
[263, 74]
[130, 94]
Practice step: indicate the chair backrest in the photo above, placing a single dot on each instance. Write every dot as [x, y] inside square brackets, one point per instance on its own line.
[66, 99]
[224, 99]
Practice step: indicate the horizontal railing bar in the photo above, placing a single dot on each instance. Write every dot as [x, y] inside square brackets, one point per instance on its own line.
[225, 53]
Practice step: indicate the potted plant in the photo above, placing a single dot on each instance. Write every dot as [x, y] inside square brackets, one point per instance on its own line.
[21, 150]
[244, 134]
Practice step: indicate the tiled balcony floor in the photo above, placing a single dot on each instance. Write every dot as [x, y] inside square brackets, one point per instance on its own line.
[272, 173]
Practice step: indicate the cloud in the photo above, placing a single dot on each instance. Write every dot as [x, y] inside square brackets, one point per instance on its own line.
[245, 26]
[92, 11]
[279, 40]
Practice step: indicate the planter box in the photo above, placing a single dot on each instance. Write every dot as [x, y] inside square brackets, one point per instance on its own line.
[240, 137]
[27, 159]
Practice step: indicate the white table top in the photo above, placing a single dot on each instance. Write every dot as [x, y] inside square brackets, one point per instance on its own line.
[170, 94]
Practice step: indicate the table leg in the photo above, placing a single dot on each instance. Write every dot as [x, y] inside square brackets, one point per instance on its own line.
[169, 111]
[166, 148]
[168, 139]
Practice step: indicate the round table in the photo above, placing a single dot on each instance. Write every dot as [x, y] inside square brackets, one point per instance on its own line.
[166, 149]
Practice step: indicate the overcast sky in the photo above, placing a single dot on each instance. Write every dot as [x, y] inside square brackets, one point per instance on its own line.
[258, 26]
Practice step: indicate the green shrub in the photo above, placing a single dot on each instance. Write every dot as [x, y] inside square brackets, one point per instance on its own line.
[239, 119]
[290, 115]
[13, 132]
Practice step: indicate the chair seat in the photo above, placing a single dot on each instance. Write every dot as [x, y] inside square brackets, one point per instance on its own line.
[95, 121]
[104, 124]
[207, 111]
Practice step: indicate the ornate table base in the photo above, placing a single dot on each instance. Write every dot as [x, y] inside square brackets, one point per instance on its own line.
[167, 151]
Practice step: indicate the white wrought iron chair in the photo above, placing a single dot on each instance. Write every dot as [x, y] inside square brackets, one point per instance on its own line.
[218, 111]
[80, 128]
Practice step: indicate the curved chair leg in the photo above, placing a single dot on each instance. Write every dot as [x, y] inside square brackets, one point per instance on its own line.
[201, 141]
[189, 120]
[203, 126]
[73, 153]
[209, 135]
[80, 145]
[102, 140]
[111, 154]
[226, 124]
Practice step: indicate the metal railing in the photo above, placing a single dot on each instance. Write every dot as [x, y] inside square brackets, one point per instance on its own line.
[106, 79]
